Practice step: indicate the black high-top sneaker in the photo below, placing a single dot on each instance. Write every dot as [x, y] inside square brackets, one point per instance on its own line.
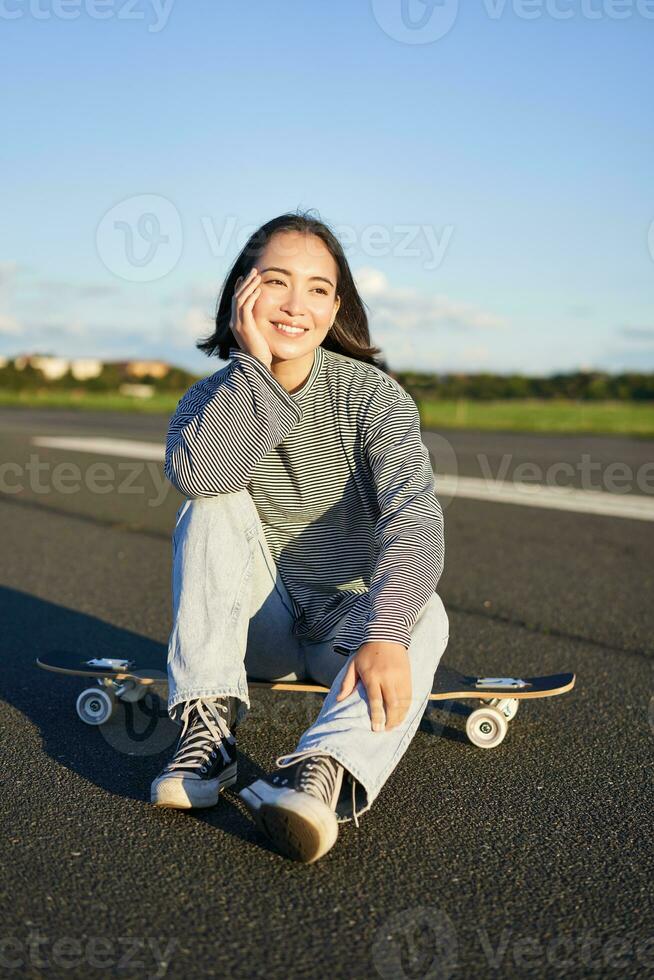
[204, 760]
[296, 806]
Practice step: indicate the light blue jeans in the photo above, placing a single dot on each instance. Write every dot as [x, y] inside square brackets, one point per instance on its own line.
[233, 619]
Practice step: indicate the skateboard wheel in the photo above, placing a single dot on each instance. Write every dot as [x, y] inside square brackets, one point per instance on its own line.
[486, 727]
[95, 706]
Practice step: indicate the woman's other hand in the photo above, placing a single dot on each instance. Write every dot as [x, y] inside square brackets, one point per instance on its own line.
[242, 322]
[385, 672]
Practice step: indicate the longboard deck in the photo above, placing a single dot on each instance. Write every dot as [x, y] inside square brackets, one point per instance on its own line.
[449, 684]
[119, 669]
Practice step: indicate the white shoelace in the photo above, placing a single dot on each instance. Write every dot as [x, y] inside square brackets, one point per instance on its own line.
[318, 776]
[207, 730]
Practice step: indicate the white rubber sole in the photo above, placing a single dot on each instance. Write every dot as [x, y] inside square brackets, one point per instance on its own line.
[183, 793]
[301, 826]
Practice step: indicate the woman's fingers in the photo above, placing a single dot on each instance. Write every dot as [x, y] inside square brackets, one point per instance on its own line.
[376, 701]
[243, 288]
[395, 705]
[243, 325]
[349, 682]
[400, 700]
[244, 281]
[247, 288]
[388, 687]
[250, 298]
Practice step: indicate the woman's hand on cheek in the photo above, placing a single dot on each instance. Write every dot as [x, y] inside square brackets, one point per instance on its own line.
[385, 672]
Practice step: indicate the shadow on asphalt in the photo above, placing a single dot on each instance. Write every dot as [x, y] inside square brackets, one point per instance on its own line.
[434, 723]
[121, 756]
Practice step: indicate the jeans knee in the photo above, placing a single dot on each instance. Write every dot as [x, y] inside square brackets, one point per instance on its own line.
[432, 629]
[231, 510]
[444, 618]
[437, 616]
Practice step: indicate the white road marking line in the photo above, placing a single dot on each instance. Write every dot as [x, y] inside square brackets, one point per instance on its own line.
[638, 507]
[104, 447]
[635, 506]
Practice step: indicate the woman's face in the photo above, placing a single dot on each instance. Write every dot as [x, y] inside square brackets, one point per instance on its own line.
[298, 287]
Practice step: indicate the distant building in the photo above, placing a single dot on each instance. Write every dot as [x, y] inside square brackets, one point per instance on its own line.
[83, 368]
[155, 369]
[3, 361]
[50, 367]
[143, 369]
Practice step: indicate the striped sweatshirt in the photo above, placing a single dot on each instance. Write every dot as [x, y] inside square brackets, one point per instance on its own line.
[340, 478]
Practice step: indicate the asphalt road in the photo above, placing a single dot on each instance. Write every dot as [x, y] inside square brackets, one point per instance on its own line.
[531, 859]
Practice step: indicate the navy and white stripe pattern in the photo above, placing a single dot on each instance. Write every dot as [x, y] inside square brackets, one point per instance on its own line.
[340, 478]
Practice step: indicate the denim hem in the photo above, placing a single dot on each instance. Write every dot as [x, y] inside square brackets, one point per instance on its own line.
[353, 770]
[190, 694]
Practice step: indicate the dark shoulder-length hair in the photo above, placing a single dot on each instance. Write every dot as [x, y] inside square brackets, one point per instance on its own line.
[349, 334]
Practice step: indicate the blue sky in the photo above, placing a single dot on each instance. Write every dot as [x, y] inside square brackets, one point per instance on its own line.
[488, 167]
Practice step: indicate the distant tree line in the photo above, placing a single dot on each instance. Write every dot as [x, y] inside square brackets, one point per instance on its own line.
[580, 385]
[30, 379]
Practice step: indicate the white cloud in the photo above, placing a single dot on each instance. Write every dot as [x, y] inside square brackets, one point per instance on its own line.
[638, 336]
[196, 323]
[10, 325]
[402, 308]
[195, 293]
[420, 330]
[182, 328]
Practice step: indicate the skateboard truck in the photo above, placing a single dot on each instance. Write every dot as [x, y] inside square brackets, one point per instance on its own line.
[110, 663]
[511, 683]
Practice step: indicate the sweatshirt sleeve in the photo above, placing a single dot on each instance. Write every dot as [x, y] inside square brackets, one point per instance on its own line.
[224, 425]
[409, 528]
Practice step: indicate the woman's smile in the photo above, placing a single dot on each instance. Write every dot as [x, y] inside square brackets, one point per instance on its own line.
[287, 330]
